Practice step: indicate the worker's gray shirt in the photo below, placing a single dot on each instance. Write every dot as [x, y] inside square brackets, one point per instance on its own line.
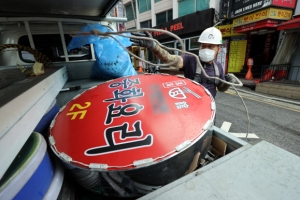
[190, 66]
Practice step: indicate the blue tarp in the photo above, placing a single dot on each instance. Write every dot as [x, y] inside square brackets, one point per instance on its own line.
[112, 60]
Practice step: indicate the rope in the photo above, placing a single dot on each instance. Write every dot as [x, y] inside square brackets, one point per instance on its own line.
[109, 34]
[39, 57]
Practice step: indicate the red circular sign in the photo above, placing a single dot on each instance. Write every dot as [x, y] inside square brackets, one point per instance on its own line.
[131, 119]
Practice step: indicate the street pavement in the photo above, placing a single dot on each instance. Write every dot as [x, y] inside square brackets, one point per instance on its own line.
[273, 119]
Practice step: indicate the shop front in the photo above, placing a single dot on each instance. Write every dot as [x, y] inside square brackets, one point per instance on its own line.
[291, 40]
[262, 35]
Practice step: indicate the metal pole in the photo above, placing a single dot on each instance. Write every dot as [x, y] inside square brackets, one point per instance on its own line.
[29, 34]
[61, 31]
[98, 19]
[93, 52]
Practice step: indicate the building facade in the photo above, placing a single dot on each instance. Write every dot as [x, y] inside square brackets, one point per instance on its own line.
[250, 28]
[187, 19]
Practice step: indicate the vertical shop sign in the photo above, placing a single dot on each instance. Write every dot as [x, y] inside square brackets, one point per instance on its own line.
[267, 47]
[237, 54]
[248, 48]
[221, 58]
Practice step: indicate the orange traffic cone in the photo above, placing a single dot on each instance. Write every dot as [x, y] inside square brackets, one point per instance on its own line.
[249, 75]
[141, 69]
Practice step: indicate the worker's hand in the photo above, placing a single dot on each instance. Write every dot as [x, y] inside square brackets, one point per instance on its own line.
[222, 87]
[149, 44]
[230, 78]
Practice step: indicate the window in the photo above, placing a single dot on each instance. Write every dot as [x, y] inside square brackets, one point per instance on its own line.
[202, 5]
[194, 44]
[186, 7]
[185, 43]
[129, 13]
[144, 5]
[146, 24]
[169, 15]
[170, 45]
[157, 1]
[51, 46]
[189, 6]
[164, 17]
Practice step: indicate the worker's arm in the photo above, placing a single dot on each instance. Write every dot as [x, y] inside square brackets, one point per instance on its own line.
[159, 52]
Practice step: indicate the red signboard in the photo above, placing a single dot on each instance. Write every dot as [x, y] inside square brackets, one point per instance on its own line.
[130, 119]
[256, 25]
[284, 3]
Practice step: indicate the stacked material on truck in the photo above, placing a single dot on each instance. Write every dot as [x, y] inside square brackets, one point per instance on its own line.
[45, 122]
[32, 174]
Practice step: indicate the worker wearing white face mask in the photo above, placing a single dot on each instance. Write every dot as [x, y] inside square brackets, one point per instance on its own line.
[210, 43]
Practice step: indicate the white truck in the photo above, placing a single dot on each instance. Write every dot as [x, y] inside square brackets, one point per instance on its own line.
[243, 171]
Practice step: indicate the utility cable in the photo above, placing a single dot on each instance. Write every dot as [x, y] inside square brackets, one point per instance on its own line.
[108, 34]
[248, 127]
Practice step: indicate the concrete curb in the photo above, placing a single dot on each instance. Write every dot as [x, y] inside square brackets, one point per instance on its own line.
[293, 104]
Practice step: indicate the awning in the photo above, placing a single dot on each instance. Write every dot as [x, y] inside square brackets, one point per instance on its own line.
[293, 23]
[266, 24]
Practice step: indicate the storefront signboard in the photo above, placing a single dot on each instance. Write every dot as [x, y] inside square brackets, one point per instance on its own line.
[257, 25]
[228, 31]
[188, 24]
[241, 7]
[237, 53]
[269, 13]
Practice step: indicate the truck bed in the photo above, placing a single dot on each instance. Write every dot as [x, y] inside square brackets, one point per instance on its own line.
[262, 171]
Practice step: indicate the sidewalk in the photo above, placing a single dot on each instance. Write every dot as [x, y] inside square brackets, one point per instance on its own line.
[282, 90]
[276, 100]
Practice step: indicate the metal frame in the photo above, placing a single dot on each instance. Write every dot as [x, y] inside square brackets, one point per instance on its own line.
[27, 20]
[24, 117]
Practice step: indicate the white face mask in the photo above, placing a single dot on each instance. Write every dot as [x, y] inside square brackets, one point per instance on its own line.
[206, 55]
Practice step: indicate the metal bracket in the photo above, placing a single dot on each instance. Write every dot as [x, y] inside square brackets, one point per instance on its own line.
[98, 166]
[207, 125]
[146, 161]
[183, 145]
[51, 140]
[213, 106]
[65, 157]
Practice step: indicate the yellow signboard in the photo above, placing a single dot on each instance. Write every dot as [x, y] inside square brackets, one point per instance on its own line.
[228, 31]
[269, 13]
[237, 53]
